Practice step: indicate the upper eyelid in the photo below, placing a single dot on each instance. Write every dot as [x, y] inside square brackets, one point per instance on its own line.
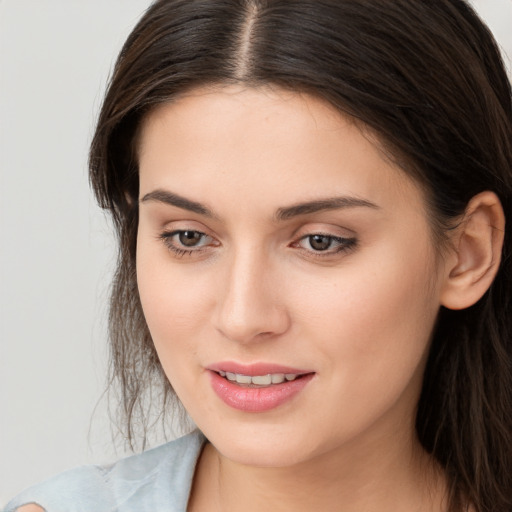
[173, 232]
[170, 227]
[295, 236]
[298, 234]
[332, 230]
[326, 233]
[339, 239]
[167, 235]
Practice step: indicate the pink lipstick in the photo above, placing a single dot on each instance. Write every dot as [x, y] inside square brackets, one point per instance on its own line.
[259, 387]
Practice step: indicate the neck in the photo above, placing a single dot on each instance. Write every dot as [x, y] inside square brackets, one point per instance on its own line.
[377, 476]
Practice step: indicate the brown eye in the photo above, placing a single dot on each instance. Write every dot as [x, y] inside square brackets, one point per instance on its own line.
[187, 241]
[325, 245]
[320, 242]
[190, 238]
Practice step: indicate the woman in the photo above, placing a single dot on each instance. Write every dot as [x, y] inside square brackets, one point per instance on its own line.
[311, 200]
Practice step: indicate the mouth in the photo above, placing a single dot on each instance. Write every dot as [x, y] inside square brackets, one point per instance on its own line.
[258, 387]
[259, 381]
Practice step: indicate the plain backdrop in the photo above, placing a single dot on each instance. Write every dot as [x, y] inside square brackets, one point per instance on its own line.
[56, 247]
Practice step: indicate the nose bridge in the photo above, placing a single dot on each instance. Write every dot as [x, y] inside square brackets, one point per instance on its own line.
[249, 305]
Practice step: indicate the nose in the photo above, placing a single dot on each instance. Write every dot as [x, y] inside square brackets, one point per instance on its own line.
[250, 305]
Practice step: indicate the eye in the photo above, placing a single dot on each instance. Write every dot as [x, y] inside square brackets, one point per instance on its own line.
[328, 244]
[190, 238]
[186, 241]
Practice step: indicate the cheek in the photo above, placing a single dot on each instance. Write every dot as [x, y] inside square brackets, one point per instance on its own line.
[168, 303]
[371, 296]
[373, 327]
[170, 295]
[173, 314]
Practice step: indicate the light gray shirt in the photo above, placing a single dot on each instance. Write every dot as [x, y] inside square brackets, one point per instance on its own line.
[158, 480]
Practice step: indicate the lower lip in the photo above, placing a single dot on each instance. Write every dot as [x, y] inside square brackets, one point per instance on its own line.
[257, 399]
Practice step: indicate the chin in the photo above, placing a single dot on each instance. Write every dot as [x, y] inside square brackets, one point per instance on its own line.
[275, 447]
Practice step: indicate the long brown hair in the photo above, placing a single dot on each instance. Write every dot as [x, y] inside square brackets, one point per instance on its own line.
[428, 79]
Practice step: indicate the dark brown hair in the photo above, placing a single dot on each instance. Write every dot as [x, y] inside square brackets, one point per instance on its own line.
[427, 78]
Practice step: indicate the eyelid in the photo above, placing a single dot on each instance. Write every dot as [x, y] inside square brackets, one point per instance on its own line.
[345, 240]
[180, 250]
[323, 228]
[344, 244]
[339, 240]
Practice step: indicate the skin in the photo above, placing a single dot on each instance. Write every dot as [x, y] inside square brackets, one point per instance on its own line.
[255, 290]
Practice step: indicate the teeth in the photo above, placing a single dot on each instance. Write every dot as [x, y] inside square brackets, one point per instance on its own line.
[261, 380]
[244, 379]
[258, 380]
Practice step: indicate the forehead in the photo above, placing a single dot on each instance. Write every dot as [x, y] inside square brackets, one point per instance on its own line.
[270, 144]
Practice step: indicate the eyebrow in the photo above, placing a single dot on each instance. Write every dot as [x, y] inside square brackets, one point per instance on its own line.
[164, 196]
[333, 203]
[282, 214]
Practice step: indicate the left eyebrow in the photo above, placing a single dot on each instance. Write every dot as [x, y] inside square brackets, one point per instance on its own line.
[319, 205]
[167, 197]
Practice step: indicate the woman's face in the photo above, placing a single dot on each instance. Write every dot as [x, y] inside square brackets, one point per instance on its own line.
[278, 247]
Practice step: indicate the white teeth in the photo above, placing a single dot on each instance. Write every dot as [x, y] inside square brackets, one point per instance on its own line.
[277, 378]
[262, 380]
[243, 379]
[258, 380]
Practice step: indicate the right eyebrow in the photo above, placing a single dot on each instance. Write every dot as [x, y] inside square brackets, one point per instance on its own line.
[318, 205]
[164, 196]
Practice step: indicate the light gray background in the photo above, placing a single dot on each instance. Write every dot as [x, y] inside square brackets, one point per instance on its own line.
[56, 248]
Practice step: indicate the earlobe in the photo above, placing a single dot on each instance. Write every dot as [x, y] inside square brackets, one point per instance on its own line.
[477, 252]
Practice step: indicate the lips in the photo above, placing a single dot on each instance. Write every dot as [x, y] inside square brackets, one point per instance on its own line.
[258, 387]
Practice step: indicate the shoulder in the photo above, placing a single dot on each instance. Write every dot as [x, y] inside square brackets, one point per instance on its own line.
[140, 482]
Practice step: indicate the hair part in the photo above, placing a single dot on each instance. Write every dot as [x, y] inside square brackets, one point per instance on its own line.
[243, 57]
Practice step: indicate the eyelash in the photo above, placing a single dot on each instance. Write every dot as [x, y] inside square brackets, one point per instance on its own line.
[343, 244]
[167, 239]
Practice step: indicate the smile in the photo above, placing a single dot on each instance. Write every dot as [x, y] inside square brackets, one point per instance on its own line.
[257, 388]
[259, 380]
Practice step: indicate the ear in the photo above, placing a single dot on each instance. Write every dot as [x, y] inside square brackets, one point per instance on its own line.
[476, 257]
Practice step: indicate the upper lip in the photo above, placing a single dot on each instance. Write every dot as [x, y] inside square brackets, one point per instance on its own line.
[254, 369]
